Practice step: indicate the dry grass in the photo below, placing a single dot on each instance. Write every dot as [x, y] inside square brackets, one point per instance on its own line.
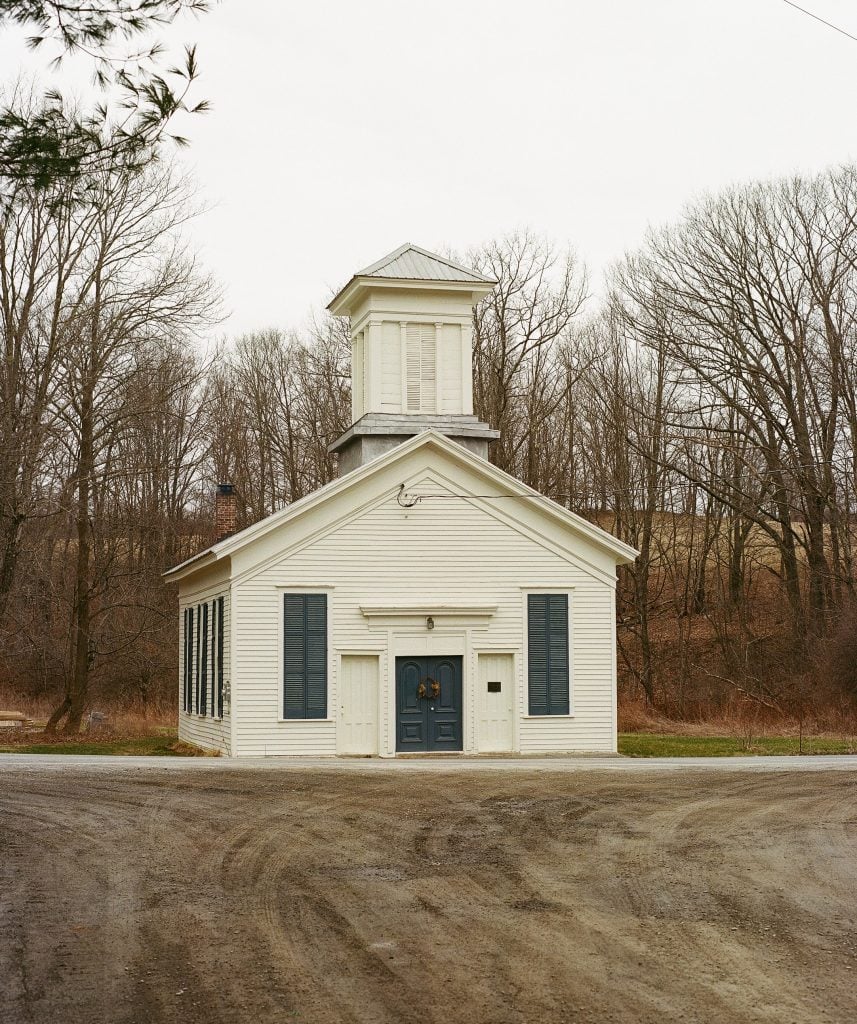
[125, 730]
[739, 718]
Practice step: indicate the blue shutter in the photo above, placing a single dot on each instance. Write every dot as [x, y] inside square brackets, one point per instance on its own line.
[197, 658]
[305, 656]
[547, 654]
[188, 668]
[185, 658]
[316, 655]
[190, 660]
[213, 645]
[220, 657]
[203, 688]
[537, 653]
[558, 674]
[294, 658]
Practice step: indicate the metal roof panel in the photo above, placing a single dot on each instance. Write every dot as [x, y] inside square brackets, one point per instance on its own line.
[410, 263]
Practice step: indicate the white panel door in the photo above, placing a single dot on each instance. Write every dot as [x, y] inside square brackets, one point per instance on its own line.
[496, 703]
[357, 725]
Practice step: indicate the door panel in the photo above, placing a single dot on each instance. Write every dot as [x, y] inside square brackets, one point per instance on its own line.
[429, 722]
[357, 728]
[411, 719]
[496, 730]
[444, 713]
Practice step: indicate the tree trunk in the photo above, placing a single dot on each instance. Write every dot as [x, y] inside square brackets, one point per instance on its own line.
[73, 703]
[9, 536]
[819, 569]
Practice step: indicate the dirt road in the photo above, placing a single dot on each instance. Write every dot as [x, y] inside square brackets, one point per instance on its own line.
[304, 897]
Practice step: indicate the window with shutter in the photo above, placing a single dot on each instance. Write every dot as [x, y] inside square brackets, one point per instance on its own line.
[197, 660]
[183, 665]
[186, 658]
[421, 368]
[220, 657]
[213, 660]
[203, 688]
[305, 656]
[547, 654]
[190, 658]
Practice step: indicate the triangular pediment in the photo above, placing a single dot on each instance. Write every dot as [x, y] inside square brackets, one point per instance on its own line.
[345, 497]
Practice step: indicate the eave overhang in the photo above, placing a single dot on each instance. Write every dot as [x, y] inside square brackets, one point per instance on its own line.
[190, 566]
[345, 299]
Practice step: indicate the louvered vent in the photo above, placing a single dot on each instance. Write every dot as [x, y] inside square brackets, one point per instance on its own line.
[421, 368]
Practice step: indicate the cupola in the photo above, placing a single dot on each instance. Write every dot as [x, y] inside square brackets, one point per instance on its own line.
[411, 316]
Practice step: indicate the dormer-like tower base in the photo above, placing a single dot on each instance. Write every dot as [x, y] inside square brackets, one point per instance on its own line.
[376, 433]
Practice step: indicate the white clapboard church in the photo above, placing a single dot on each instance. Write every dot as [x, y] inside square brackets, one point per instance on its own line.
[422, 602]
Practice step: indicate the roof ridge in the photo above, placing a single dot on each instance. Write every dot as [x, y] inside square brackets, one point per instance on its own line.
[449, 262]
[384, 261]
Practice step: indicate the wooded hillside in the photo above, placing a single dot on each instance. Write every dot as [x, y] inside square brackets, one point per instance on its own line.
[703, 408]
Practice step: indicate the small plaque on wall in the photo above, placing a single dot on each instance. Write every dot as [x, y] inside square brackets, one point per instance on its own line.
[494, 686]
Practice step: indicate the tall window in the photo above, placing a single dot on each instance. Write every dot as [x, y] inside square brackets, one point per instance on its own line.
[547, 654]
[202, 659]
[198, 659]
[421, 367]
[203, 688]
[187, 665]
[219, 672]
[304, 656]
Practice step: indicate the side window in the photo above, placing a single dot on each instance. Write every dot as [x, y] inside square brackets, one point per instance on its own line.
[187, 660]
[202, 659]
[219, 677]
[197, 674]
[304, 656]
[547, 654]
[203, 689]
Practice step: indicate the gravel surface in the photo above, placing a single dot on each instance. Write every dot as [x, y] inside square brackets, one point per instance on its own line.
[135, 890]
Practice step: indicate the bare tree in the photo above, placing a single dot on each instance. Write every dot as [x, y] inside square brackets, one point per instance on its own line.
[517, 328]
[141, 288]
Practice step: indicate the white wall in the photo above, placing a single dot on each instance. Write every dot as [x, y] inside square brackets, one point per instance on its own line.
[441, 551]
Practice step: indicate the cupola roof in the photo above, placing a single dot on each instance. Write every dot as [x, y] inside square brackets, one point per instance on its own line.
[411, 265]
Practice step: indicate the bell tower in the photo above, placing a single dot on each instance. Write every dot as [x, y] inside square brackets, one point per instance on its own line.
[411, 317]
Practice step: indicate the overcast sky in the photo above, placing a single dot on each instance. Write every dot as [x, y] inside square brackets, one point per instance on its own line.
[340, 130]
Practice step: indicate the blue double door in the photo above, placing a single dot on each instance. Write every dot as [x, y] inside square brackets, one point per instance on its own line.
[428, 704]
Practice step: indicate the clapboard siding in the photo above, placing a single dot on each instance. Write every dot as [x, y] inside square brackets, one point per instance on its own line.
[210, 733]
[440, 551]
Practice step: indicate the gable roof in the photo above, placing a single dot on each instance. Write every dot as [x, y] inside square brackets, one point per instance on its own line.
[410, 263]
[622, 553]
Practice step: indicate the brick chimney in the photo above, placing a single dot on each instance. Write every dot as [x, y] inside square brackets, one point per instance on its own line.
[225, 512]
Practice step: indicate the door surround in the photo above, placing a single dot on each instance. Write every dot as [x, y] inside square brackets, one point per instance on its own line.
[436, 643]
[405, 629]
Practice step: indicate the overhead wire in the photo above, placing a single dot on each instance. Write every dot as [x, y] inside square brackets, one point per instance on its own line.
[408, 500]
[816, 17]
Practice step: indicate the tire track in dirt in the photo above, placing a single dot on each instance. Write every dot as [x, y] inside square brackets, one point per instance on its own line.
[485, 897]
